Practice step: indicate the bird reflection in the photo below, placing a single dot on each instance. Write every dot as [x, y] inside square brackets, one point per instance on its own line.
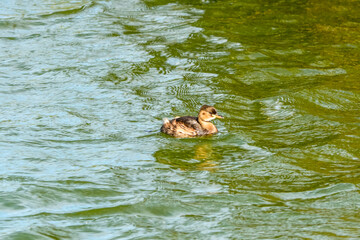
[201, 157]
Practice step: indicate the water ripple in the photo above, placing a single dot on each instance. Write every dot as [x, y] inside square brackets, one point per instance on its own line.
[85, 86]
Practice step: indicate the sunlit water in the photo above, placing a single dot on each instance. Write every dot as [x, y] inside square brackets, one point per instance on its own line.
[84, 86]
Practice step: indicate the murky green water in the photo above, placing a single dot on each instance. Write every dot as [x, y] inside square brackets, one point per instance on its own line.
[84, 86]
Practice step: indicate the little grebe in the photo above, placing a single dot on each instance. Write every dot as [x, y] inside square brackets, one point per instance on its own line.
[187, 126]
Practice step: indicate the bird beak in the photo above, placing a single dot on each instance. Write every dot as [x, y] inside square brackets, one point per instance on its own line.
[218, 116]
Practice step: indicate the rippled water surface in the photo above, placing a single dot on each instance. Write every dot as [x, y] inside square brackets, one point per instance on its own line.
[84, 86]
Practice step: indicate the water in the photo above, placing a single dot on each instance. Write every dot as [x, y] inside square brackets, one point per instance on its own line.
[84, 88]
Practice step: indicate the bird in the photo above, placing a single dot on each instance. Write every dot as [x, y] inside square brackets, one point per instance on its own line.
[187, 126]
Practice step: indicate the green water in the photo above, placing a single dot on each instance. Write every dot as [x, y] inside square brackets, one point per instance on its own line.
[84, 86]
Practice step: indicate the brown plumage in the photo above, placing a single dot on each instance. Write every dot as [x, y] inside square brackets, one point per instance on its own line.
[183, 127]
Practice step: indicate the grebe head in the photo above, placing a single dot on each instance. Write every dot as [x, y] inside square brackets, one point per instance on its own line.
[208, 113]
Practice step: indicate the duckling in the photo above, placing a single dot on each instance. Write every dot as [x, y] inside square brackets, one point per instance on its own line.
[183, 127]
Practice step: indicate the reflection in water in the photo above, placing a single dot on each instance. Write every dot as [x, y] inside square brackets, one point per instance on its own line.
[189, 156]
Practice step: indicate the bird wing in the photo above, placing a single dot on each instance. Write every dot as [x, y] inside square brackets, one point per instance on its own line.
[189, 125]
